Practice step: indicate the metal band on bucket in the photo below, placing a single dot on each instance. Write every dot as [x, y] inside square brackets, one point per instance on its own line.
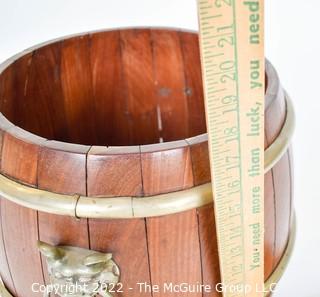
[133, 207]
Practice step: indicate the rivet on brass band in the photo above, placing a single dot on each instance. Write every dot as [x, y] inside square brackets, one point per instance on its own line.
[131, 207]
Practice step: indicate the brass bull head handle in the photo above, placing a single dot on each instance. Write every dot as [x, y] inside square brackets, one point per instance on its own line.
[78, 272]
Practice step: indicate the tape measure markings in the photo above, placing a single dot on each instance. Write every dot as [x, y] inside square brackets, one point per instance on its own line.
[224, 23]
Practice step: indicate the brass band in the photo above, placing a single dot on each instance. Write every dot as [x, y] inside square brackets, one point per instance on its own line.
[3, 291]
[132, 207]
[274, 153]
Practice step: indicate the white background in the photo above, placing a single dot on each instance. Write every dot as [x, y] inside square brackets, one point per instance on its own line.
[292, 44]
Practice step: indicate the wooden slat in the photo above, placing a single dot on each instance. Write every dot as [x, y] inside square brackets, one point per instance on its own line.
[44, 96]
[166, 167]
[209, 249]
[21, 70]
[20, 155]
[4, 126]
[62, 168]
[193, 88]
[77, 88]
[20, 233]
[126, 240]
[174, 251]
[200, 159]
[108, 89]
[282, 188]
[20, 225]
[52, 229]
[62, 230]
[138, 74]
[114, 171]
[4, 265]
[6, 90]
[170, 84]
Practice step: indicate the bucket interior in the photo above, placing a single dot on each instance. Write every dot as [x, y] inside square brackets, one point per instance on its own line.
[123, 87]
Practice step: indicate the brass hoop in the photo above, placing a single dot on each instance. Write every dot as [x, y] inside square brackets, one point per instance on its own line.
[132, 207]
[277, 149]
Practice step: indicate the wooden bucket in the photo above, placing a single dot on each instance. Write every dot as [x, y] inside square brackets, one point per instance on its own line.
[104, 148]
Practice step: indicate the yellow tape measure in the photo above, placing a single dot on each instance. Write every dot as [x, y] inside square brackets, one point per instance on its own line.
[232, 57]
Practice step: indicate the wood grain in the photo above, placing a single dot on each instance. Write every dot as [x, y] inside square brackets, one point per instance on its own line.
[158, 163]
[4, 126]
[62, 168]
[19, 224]
[137, 66]
[200, 159]
[108, 89]
[76, 77]
[4, 265]
[20, 233]
[170, 85]
[193, 89]
[209, 249]
[114, 171]
[16, 107]
[174, 251]
[44, 96]
[53, 230]
[126, 240]
[20, 155]
[6, 92]
[282, 188]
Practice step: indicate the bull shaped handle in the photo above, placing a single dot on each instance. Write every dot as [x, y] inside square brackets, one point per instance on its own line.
[78, 272]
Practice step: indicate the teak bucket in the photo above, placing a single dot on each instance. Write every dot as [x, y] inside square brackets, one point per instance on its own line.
[104, 148]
